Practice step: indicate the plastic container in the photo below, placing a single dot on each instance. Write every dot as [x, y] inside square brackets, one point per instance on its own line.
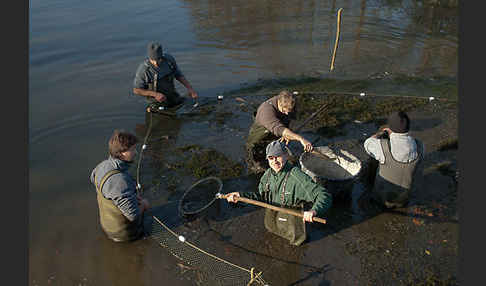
[336, 171]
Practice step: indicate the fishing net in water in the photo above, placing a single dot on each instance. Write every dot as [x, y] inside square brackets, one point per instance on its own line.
[200, 196]
[210, 269]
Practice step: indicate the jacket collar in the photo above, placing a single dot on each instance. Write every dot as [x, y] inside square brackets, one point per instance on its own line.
[119, 164]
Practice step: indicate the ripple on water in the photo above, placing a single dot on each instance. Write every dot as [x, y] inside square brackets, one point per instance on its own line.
[81, 120]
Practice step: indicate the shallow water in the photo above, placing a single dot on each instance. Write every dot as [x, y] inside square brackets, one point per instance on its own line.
[82, 59]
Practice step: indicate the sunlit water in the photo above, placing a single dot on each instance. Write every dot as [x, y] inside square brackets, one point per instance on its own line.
[82, 59]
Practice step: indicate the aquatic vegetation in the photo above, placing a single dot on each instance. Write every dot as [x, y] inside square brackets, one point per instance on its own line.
[350, 100]
[204, 162]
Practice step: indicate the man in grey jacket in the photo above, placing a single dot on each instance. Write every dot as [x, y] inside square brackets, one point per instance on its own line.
[399, 156]
[154, 79]
[121, 209]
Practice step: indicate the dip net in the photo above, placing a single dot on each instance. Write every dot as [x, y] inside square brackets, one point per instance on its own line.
[210, 269]
[200, 196]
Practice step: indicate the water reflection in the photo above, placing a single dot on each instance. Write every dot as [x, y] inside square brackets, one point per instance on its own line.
[399, 36]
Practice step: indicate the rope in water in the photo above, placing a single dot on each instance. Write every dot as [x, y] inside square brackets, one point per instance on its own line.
[139, 186]
[359, 94]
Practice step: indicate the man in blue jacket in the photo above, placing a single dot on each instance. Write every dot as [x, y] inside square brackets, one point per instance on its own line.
[121, 209]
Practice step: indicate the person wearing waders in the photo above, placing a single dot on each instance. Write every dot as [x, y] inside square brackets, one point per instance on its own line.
[121, 209]
[285, 185]
[154, 79]
[272, 121]
[399, 156]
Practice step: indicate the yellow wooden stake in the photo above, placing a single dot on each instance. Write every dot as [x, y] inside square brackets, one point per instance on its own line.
[337, 38]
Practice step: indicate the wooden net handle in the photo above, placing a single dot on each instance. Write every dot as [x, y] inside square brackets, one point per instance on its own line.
[272, 207]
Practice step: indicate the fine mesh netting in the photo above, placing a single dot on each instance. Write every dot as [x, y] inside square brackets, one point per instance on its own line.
[200, 195]
[211, 270]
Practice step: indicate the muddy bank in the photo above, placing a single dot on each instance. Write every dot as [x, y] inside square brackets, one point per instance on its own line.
[361, 244]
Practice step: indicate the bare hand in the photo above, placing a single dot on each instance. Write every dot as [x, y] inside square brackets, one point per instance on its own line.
[144, 204]
[307, 145]
[192, 93]
[309, 215]
[232, 197]
[284, 139]
[159, 96]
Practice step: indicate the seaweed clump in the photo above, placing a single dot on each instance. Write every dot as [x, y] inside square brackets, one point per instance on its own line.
[342, 109]
[204, 162]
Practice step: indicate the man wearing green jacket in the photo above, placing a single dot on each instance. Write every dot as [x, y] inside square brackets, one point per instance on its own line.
[285, 185]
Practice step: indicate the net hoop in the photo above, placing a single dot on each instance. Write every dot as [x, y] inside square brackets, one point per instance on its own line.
[181, 209]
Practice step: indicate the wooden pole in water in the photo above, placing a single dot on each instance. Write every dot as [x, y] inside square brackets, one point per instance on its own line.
[337, 38]
[272, 207]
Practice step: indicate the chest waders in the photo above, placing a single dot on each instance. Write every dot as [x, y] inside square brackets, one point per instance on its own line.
[166, 86]
[116, 226]
[282, 224]
[258, 139]
[394, 180]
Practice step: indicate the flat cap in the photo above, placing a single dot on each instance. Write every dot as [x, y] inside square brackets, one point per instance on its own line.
[275, 148]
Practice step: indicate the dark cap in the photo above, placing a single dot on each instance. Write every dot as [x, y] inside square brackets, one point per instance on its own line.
[275, 148]
[399, 122]
[154, 50]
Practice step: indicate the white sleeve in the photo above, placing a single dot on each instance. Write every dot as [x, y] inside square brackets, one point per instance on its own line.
[373, 148]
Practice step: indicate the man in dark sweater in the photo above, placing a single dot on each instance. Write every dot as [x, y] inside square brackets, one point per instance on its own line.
[272, 121]
[121, 209]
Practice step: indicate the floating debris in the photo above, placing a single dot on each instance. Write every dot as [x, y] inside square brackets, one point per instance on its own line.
[418, 221]
[240, 99]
